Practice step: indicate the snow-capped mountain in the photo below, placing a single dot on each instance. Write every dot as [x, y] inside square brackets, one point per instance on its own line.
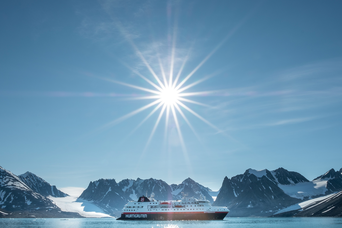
[106, 194]
[285, 177]
[190, 188]
[254, 193]
[333, 180]
[162, 191]
[269, 191]
[40, 186]
[19, 200]
[112, 196]
[133, 189]
[325, 184]
[324, 206]
[16, 195]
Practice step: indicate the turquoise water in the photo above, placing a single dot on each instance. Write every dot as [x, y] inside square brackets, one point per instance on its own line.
[228, 222]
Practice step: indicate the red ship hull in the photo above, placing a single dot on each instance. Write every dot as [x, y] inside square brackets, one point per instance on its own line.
[173, 216]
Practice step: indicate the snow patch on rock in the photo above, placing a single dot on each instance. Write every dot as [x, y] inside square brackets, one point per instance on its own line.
[257, 173]
[301, 205]
[306, 189]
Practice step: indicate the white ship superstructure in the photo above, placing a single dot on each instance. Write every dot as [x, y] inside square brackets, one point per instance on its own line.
[185, 209]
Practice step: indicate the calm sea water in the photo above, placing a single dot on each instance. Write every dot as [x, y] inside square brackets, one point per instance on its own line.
[228, 222]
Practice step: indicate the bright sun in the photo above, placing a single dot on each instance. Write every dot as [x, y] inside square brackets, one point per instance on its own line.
[169, 93]
[169, 96]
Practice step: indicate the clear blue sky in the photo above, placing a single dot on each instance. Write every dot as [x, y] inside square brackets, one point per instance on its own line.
[275, 87]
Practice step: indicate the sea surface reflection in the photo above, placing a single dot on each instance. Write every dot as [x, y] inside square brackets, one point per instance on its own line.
[227, 222]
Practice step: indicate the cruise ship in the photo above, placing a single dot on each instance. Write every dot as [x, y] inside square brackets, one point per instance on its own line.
[185, 209]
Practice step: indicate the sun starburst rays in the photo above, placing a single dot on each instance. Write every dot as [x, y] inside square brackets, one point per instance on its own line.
[170, 88]
[169, 99]
[168, 92]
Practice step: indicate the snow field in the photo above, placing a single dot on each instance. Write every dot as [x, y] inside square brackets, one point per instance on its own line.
[83, 207]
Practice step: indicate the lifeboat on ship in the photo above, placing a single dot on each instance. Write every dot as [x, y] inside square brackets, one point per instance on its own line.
[178, 206]
[165, 203]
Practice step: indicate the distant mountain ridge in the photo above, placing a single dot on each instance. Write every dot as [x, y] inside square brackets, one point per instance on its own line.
[285, 177]
[18, 199]
[128, 189]
[133, 189]
[15, 194]
[262, 193]
[253, 193]
[190, 188]
[105, 193]
[334, 180]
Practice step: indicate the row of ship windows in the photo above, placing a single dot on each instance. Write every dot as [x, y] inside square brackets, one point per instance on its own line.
[169, 206]
[177, 209]
[198, 202]
[134, 206]
[159, 206]
[170, 209]
[150, 203]
[191, 202]
[181, 202]
[162, 206]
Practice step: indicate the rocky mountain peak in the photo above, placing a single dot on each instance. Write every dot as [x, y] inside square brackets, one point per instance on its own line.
[39, 185]
[17, 195]
[194, 184]
[105, 193]
[328, 175]
[191, 188]
[133, 189]
[103, 183]
[253, 192]
[188, 181]
[28, 173]
[9, 180]
[252, 175]
[225, 179]
[285, 177]
[257, 173]
[32, 176]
